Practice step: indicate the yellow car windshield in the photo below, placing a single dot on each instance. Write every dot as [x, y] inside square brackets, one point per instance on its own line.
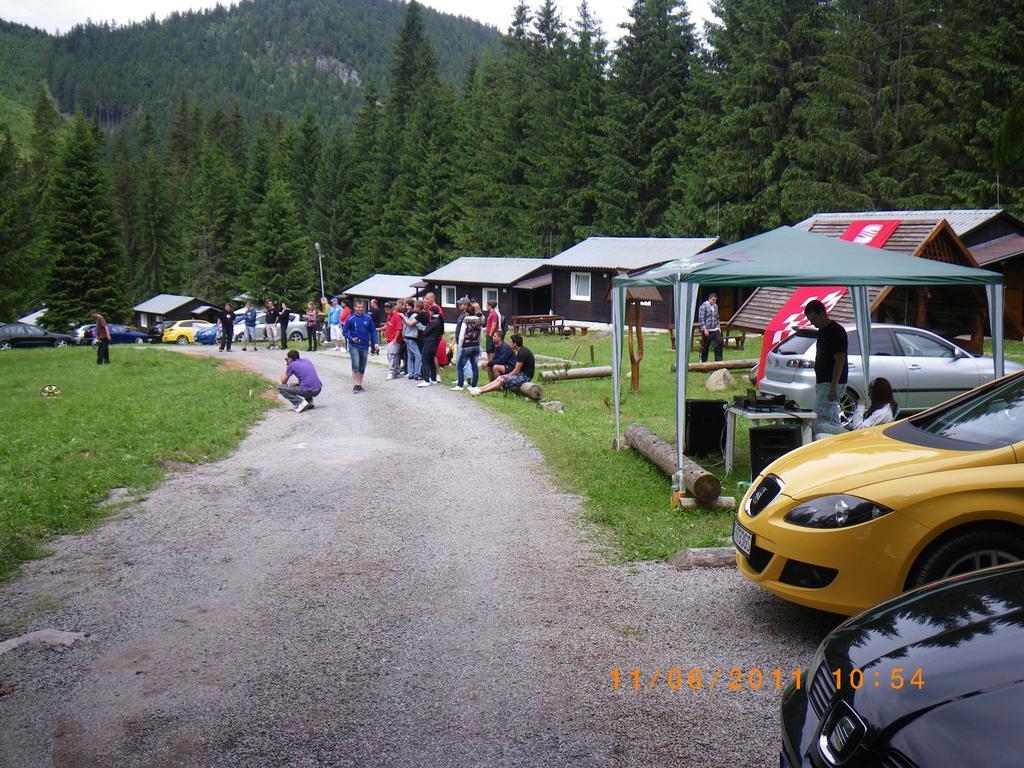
[993, 417]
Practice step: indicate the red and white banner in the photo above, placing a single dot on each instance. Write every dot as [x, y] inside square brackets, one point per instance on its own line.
[791, 317]
[873, 232]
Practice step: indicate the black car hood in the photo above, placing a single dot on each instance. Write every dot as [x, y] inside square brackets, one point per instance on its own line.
[966, 635]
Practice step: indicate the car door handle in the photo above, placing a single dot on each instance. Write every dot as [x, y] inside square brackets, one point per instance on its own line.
[914, 367]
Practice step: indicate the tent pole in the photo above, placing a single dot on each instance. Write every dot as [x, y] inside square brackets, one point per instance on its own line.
[996, 296]
[684, 297]
[862, 313]
[618, 295]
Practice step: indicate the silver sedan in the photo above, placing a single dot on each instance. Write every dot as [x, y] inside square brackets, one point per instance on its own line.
[924, 369]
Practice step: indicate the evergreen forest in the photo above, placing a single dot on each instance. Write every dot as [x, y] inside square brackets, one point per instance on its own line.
[459, 145]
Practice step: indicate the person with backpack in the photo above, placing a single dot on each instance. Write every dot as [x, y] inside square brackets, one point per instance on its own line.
[469, 351]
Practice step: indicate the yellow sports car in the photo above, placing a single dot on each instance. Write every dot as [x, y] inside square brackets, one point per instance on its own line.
[184, 331]
[846, 522]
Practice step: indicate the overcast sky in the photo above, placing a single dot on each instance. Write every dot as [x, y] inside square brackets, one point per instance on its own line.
[54, 15]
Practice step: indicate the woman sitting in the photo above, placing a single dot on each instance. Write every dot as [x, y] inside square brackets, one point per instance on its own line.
[882, 410]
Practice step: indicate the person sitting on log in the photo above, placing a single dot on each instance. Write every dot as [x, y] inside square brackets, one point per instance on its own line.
[520, 374]
[502, 359]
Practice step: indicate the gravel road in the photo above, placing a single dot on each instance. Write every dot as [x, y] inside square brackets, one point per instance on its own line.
[357, 587]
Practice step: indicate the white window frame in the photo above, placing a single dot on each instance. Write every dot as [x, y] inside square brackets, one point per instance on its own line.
[573, 296]
[490, 293]
[444, 293]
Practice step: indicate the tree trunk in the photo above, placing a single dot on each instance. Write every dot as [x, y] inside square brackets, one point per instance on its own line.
[698, 482]
[600, 372]
[728, 364]
[532, 390]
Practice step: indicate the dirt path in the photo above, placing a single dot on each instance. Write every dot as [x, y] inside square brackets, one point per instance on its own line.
[357, 587]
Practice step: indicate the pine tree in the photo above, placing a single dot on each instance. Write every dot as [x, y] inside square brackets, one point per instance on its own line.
[84, 235]
[124, 173]
[649, 100]
[303, 164]
[17, 233]
[280, 266]
[157, 270]
[213, 260]
[332, 222]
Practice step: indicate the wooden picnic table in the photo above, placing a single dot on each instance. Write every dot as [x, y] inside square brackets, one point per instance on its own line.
[533, 323]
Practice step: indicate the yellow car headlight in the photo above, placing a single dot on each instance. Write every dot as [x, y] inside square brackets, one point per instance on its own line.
[835, 511]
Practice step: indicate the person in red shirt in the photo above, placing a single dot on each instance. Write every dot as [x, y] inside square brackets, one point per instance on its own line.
[493, 324]
[393, 337]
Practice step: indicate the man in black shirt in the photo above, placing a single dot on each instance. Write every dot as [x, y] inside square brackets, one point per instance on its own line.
[522, 373]
[227, 328]
[272, 317]
[830, 372]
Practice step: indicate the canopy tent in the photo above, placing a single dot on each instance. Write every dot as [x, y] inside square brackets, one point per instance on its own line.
[790, 257]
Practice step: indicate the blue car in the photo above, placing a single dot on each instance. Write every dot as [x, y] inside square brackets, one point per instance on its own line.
[119, 334]
[207, 335]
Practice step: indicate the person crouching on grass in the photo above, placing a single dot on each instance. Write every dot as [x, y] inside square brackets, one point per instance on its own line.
[522, 373]
[360, 332]
[309, 386]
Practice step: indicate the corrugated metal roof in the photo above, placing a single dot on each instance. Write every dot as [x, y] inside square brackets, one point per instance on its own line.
[998, 250]
[486, 270]
[531, 283]
[962, 221]
[162, 304]
[765, 303]
[385, 286]
[630, 253]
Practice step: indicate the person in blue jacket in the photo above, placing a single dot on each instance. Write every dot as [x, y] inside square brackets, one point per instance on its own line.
[360, 332]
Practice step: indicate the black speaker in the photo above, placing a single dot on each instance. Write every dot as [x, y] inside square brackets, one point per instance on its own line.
[768, 443]
[705, 427]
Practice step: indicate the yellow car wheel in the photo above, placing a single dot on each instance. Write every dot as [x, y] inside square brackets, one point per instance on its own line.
[182, 339]
[966, 550]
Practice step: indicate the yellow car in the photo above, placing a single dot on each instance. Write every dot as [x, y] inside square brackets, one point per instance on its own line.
[184, 331]
[846, 522]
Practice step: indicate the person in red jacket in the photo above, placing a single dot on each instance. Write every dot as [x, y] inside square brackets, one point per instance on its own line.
[393, 337]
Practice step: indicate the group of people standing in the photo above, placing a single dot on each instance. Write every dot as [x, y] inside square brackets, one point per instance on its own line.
[276, 325]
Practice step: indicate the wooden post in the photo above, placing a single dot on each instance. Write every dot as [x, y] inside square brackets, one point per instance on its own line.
[714, 366]
[532, 390]
[635, 326]
[559, 374]
[699, 482]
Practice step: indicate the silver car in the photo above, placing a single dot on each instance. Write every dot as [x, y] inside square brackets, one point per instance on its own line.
[924, 369]
[296, 326]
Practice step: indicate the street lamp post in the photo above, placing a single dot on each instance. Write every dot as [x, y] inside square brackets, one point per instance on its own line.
[320, 261]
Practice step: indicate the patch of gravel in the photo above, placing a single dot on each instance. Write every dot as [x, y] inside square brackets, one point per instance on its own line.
[388, 580]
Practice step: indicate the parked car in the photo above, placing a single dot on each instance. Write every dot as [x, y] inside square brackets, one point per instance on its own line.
[25, 335]
[845, 522]
[208, 335]
[296, 327]
[183, 331]
[931, 678]
[119, 334]
[924, 369]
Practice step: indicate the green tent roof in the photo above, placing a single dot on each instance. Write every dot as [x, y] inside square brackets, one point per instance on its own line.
[792, 257]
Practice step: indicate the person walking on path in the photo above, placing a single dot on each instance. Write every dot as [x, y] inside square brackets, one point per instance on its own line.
[360, 333]
[311, 324]
[830, 370]
[102, 338]
[271, 318]
[469, 352]
[282, 322]
[710, 329]
[227, 328]
[394, 320]
[520, 374]
[250, 327]
[309, 386]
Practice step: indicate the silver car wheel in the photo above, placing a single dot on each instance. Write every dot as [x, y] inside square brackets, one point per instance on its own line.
[847, 404]
[983, 558]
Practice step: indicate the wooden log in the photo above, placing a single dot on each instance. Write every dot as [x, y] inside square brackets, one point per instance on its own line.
[532, 390]
[727, 364]
[722, 502]
[699, 482]
[599, 372]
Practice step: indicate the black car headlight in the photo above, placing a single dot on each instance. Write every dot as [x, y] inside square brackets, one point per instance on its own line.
[836, 511]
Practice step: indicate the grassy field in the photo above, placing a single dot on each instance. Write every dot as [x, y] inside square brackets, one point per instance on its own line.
[113, 427]
[622, 490]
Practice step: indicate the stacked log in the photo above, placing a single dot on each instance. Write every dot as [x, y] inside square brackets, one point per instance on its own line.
[700, 483]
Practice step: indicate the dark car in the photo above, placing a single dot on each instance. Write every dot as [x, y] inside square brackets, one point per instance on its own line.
[932, 678]
[25, 335]
[119, 334]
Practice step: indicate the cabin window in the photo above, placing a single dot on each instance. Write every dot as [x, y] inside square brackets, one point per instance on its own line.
[490, 293]
[447, 295]
[579, 286]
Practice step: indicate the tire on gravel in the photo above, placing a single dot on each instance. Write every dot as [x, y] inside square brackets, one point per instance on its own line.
[948, 556]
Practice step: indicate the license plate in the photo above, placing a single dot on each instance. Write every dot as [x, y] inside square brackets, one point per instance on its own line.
[742, 538]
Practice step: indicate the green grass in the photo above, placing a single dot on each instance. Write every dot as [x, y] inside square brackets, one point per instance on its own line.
[112, 427]
[622, 491]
